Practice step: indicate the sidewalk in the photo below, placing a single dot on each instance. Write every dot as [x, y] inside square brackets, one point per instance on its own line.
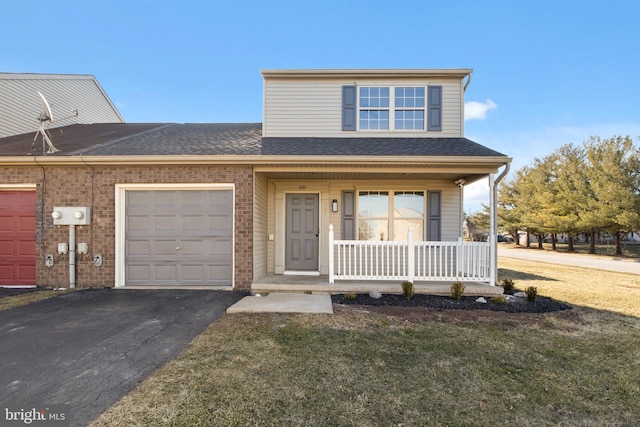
[598, 262]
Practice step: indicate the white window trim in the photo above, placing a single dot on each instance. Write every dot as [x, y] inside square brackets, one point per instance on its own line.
[120, 212]
[391, 108]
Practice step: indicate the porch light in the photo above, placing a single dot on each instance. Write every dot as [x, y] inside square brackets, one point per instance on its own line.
[334, 205]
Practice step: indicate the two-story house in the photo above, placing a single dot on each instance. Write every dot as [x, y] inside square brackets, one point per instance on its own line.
[354, 176]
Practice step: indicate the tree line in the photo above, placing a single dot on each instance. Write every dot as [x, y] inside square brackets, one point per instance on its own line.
[578, 189]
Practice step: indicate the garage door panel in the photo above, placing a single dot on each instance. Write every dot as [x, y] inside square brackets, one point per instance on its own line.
[193, 247]
[164, 248]
[26, 273]
[6, 248]
[193, 223]
[138, 247]
[221, 247]
[6, 223]
[26, 249]
[182, 237]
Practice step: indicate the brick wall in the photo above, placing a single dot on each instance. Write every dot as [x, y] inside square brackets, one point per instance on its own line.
[95, 187]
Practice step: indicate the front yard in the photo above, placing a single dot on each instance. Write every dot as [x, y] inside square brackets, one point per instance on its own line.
[363, 366]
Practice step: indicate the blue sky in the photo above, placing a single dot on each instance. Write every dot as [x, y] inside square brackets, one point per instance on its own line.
[546, 73]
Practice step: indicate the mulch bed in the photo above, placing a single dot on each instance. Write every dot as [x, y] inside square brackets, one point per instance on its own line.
[516, 305]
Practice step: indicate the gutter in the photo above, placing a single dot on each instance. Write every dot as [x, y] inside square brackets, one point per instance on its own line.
[487, 161]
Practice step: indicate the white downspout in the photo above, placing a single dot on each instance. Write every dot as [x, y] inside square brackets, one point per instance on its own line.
[72, 256]
[493, 223]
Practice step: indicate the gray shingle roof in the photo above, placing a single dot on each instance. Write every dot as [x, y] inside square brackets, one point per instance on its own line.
[239, 139]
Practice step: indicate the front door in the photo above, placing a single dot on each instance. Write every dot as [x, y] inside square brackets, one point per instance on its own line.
[302, 230]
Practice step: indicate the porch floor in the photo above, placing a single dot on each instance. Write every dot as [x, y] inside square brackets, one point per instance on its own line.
[320, 284]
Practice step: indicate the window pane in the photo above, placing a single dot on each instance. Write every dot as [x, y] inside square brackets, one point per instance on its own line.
[408, 204]
[401, 229]
[373, 229]
[373, 204]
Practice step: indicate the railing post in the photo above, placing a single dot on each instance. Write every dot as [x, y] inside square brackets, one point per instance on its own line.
[331, 250]
[460, 258]
[411, 256]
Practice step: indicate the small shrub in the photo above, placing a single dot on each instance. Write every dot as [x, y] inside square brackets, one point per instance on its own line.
[407, 289]
[308, 292]
[508, 284]
[499, 299]
[457, 290]
[532, 293]
[349, 296]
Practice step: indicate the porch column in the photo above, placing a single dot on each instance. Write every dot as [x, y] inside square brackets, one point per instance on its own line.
[331, 237]
[493, 217]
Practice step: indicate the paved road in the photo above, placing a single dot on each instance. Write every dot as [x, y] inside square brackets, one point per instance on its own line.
[575, 260]
[87, 349]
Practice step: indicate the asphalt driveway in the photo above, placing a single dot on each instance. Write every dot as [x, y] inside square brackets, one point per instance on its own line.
[87, 349]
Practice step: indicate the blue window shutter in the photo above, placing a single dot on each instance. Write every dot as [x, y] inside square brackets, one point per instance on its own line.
[434, 108]
[434, 215]
[348, 108]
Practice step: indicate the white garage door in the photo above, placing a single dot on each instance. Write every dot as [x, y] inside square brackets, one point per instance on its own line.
[179, 238]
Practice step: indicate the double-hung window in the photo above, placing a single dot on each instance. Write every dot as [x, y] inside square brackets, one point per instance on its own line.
[374, 108]
[381, 217]
[409, 108]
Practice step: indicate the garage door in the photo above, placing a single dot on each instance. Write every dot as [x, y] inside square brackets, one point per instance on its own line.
[17, 238]
[179, 238]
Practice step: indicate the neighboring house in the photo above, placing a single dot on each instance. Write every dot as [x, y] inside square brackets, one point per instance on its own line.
[20, 104]
[345, 166]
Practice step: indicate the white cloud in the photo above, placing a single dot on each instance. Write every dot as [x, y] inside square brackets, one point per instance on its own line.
[474, 110]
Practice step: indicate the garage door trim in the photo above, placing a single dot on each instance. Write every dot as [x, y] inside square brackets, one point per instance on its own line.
[120, 218]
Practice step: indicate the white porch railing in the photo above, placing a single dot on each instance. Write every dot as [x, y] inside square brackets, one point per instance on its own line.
[408, 260]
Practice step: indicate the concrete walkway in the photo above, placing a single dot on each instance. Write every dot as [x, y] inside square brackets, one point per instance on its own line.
[284, 303]
[619, 265]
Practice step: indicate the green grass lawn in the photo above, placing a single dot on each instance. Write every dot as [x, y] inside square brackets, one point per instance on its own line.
[362, 367]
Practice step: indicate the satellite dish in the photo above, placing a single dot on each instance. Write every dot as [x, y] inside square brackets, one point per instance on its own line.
[47, 116]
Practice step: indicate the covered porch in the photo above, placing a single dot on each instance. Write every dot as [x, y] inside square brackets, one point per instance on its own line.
[341, 224]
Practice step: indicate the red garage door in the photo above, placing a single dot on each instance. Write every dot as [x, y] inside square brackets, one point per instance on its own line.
[17, 238]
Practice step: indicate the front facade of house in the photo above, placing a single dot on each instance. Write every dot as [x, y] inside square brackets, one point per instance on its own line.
[353, 175]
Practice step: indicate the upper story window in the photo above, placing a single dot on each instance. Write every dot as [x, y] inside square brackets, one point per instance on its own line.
[406, 106]
[409, 108]
[374, 108]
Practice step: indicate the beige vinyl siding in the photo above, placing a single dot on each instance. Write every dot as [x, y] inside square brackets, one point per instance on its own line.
[260, 226]
[450, 213]
[20, 106]
[313, 108]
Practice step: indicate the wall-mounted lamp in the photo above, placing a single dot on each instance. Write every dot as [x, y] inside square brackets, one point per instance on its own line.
[334, 205]
[460, 182]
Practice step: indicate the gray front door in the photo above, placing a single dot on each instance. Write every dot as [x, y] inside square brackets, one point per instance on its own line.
[302, 232]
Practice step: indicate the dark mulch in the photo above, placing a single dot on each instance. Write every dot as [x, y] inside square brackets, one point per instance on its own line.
[516, 305]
